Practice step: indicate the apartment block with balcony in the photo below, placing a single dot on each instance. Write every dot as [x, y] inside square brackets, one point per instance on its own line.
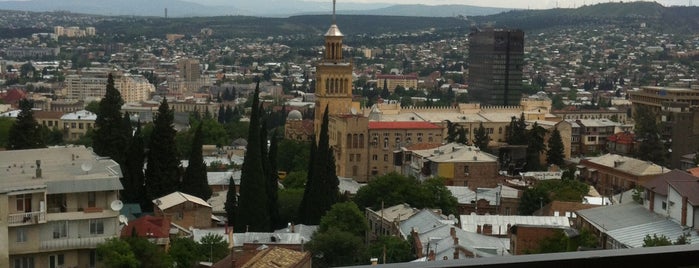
[56, 206]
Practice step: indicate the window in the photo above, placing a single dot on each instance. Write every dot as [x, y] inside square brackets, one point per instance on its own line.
[351, 159]
[24, 202]
[96, 227]
[56, 261]
[385, 157]
[359, 158]
[385, 143]
[81, 126]
[91, 199]
[374, 157]
[664, 205]
[60, 229]
[466, 170]
[24, 262]
[21, 235]
[73, 125]
[593, 138]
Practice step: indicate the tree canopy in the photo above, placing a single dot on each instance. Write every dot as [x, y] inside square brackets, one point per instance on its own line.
[163, 164]
[393, 189]
[111, 134]
[555, 153]
[25, 133]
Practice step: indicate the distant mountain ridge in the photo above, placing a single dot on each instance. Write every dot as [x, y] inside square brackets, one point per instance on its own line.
[178, 8]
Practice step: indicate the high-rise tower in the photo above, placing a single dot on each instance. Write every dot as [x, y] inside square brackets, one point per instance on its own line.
[496, 57]
[333, 78]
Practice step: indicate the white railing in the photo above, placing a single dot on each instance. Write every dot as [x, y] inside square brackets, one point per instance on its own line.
[26, 218]
[72, 243]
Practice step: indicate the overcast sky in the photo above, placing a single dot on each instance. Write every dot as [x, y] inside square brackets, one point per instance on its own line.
[533, 4]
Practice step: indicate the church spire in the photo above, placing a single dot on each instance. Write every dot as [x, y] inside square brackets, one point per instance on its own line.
[334, 11]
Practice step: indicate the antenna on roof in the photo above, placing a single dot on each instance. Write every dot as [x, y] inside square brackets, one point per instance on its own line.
[334, 11]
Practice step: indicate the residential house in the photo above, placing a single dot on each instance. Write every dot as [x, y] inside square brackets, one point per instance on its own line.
[622, 143]
[155, 229]
[499, 225]
[268, 257]
[676, 195]
[611, 173]
[502, 200]
[183, 210]
[59, 204]
[386, 221]
[77, 124]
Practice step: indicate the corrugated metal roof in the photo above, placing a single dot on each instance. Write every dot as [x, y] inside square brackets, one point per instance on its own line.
[500, 223]
[633, 236]
[177, 198]
[609, 218]
[78, 186]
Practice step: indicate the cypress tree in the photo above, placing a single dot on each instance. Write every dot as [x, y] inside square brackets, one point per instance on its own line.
[110, 136]
[463, 139]
[231, 204]
[322, 188]
[253, 210]
[273, 181]
[194, 181]
[163, 166]
[517, 131]
[134, 190]
[221, 114]
[25, 132]
[555, 154]
[481, 138]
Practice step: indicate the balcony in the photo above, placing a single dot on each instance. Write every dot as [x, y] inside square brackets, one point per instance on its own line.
[72, 243]
[26, 218]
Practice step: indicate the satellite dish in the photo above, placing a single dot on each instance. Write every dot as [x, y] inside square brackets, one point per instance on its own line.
[116, 205]
[86, 166]
[123, 219]
[353, 111]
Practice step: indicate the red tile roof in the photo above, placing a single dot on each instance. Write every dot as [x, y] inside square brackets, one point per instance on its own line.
[157, 227]
[622, 138]
[402, 125]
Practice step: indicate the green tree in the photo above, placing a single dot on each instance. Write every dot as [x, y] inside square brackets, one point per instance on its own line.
[148, 253]
[656, 241]
[273, 179]
[463, 138]
[163, 167]
[346, 217]
[535, 146]
[194, 180]
[117, 253]
[560, 242]
[546, 191]
[481, 138]
[93, 106]
[133, 180]
[5, 126]
[396, 249]
[293, 156]
[647, 129]
[336, 248]
[231, 205]
[288, 202]
[213, 247]
[322, 184]
[111, 135]
[185, 252]
[554, 154]
[25, 133]
[253, 209]
[393, 189]
[295, 179]
[517, 131]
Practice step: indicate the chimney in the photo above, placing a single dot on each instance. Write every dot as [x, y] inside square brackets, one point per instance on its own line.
[452, 232]
[38, 169]
[431, 256]
[456, 253]
[683, 221]
[374, 261]
[478, 229]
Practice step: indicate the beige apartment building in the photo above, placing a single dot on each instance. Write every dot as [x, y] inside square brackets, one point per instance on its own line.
[56, 206]
[89, 87]
[77, 124]
[408, 81]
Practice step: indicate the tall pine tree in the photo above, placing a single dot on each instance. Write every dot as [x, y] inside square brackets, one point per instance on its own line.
[25, 132]
[555, 154]
[535, 146]
[322, 186]
[517, 131]
[111, 139]
[133, 181]
[252, 213]
[273, 181]
[163, 166]
[231, 205]
[481, 138]
[194, 181]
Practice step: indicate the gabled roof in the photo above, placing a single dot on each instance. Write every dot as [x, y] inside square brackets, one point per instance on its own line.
[684, 183]
[150, 226]
[500, 223]
[628, 164]
[278, 257]
[177, 198]
[402, 125]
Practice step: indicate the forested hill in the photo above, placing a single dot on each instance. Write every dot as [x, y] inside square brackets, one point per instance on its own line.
[677, 19]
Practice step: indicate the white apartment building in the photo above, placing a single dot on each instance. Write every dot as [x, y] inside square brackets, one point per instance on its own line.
[56, 206]
[133, 88]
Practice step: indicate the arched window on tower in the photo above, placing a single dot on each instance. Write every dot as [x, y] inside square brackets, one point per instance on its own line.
[355, 141]
[361, 140]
